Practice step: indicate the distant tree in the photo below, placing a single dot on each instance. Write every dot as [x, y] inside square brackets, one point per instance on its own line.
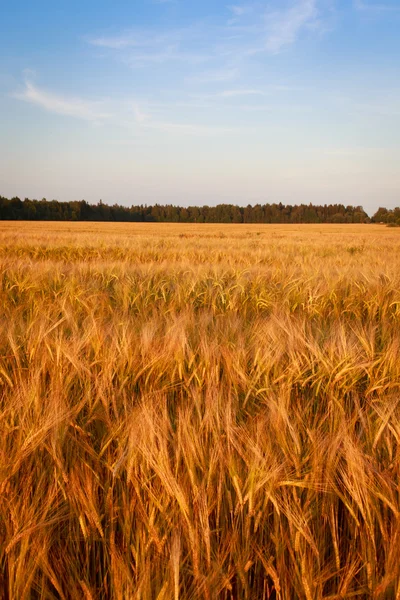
[221, 213]
[381, 215]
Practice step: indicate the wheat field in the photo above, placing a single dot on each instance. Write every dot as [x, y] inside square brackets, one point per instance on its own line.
[199, 412]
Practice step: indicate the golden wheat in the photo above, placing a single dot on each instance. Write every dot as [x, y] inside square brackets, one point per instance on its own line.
[199, 412]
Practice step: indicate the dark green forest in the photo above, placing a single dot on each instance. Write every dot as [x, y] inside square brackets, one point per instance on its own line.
[52, 210]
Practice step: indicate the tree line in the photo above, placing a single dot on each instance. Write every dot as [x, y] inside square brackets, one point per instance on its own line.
[389, 216]
[53, 210]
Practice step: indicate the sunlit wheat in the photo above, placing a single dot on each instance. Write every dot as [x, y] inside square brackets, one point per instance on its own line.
[199, 412]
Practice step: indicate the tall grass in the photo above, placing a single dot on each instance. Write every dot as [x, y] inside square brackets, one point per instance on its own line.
[199, 413]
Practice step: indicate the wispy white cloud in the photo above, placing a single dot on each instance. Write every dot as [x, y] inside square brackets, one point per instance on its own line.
[131, 114]
[140, 116]
[166, 55]
[149, 38]
[283, 27]
[153, 117]
[146, 116]
[240, 9]
[252, 30]
[214, 56]
[62, 105]
[139, 48]
[133, 39]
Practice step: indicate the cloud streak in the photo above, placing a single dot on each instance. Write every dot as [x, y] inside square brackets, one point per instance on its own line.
[126, 114]
[209, 56]
[239, 10]
[140, 47]
[252, 30]
[284, 27]
[61, 105]
[135, 39]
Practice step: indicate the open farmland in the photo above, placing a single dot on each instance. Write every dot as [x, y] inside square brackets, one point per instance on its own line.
[199, 412]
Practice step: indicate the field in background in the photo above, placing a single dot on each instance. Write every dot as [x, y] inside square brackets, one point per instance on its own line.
[203, 412]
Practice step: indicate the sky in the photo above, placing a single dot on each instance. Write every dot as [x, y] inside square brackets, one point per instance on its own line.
[195, 102]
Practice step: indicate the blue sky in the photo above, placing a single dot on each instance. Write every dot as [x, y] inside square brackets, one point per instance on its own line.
[184, 102]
